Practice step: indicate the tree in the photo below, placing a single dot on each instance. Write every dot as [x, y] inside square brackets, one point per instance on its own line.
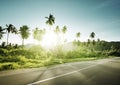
[1, 32]
[92, 35]
[50, 20]
[98, 41]
[38, 34]
[57, 31]
[64, 30]
[88, 41]
[78, 36]
[24, 32]
[10, 29]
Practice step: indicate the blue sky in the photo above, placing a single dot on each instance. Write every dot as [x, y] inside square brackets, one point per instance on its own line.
[85, 16]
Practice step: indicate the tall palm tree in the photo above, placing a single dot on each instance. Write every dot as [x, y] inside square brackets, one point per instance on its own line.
[57, 32]
[64, 30]
[38, 34]
[92, 35]
[10, 29]
[88, 41]
[78, 36]
[50, 20]
[24, 32]
[1, 32]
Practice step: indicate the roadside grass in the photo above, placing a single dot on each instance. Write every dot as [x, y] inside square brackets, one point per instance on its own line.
[36, 63]
[36, 57]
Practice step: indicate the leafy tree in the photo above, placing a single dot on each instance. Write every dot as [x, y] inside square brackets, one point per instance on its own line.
[88, 41]
[10, 29]
[50, 20]
[24, 32]
[64, 30]
[78, 36]
[38, 34]
[98, 41]
[57, 32]
[92, 35]
[1, 32]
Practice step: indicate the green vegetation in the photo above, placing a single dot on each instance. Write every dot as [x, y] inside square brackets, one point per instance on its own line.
[36, 56]
[14, 56]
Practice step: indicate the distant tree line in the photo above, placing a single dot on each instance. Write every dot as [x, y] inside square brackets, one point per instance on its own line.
[24, 32]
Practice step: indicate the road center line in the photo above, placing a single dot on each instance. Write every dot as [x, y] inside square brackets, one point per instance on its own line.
[64, 74]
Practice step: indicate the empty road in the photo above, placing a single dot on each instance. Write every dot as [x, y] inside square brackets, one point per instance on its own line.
[96, 72]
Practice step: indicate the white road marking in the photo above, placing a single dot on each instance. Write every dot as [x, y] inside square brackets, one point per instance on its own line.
[37, 82]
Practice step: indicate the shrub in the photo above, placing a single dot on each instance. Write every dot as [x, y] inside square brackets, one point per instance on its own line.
[8, 66]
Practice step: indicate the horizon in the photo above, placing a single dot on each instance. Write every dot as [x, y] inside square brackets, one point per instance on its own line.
[101, 17]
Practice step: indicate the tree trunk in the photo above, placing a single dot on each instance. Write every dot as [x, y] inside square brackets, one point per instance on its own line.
[22, 42]
[7, 38]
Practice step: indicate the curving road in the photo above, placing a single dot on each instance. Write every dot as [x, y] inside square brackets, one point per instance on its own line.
[97, 72]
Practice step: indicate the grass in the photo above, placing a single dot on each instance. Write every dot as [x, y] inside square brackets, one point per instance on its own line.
[36, 57]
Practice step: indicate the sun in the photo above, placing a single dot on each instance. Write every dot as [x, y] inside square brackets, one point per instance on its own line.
[49, 39]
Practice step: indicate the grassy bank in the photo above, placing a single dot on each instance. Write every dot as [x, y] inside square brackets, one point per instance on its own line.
[36, 56]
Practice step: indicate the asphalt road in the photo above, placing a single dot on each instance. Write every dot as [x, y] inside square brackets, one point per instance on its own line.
[98, 72]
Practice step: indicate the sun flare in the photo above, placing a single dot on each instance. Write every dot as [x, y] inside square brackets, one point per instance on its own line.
[49, 39]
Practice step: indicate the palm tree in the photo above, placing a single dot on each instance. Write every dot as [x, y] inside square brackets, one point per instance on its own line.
[92, 35]
[98, 40]
[88, 41]
[10, 29]
[50, 20]
[1, 32]
[38, 34]
[64, 30]
[24, 32]
[78, 36]
[57, 31]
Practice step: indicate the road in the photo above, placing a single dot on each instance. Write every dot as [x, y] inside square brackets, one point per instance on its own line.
[97, 72]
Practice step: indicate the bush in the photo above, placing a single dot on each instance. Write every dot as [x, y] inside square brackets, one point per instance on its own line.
[8, 66]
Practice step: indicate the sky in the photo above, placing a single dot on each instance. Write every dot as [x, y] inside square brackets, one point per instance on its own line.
[84, 16]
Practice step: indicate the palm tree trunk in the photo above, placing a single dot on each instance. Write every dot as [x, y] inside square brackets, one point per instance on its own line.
[7, 38]
[22, 42]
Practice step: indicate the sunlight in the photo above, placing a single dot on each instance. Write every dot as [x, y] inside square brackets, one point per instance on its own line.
[49, 39]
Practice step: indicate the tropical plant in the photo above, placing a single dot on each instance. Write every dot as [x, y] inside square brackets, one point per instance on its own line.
[10, 29]
[1, 32]
[92, 35]
[64, 30]
[38, 34]
[88, 41]
[78, 36]
[24, 32]
[50, 20]
[57, 32]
